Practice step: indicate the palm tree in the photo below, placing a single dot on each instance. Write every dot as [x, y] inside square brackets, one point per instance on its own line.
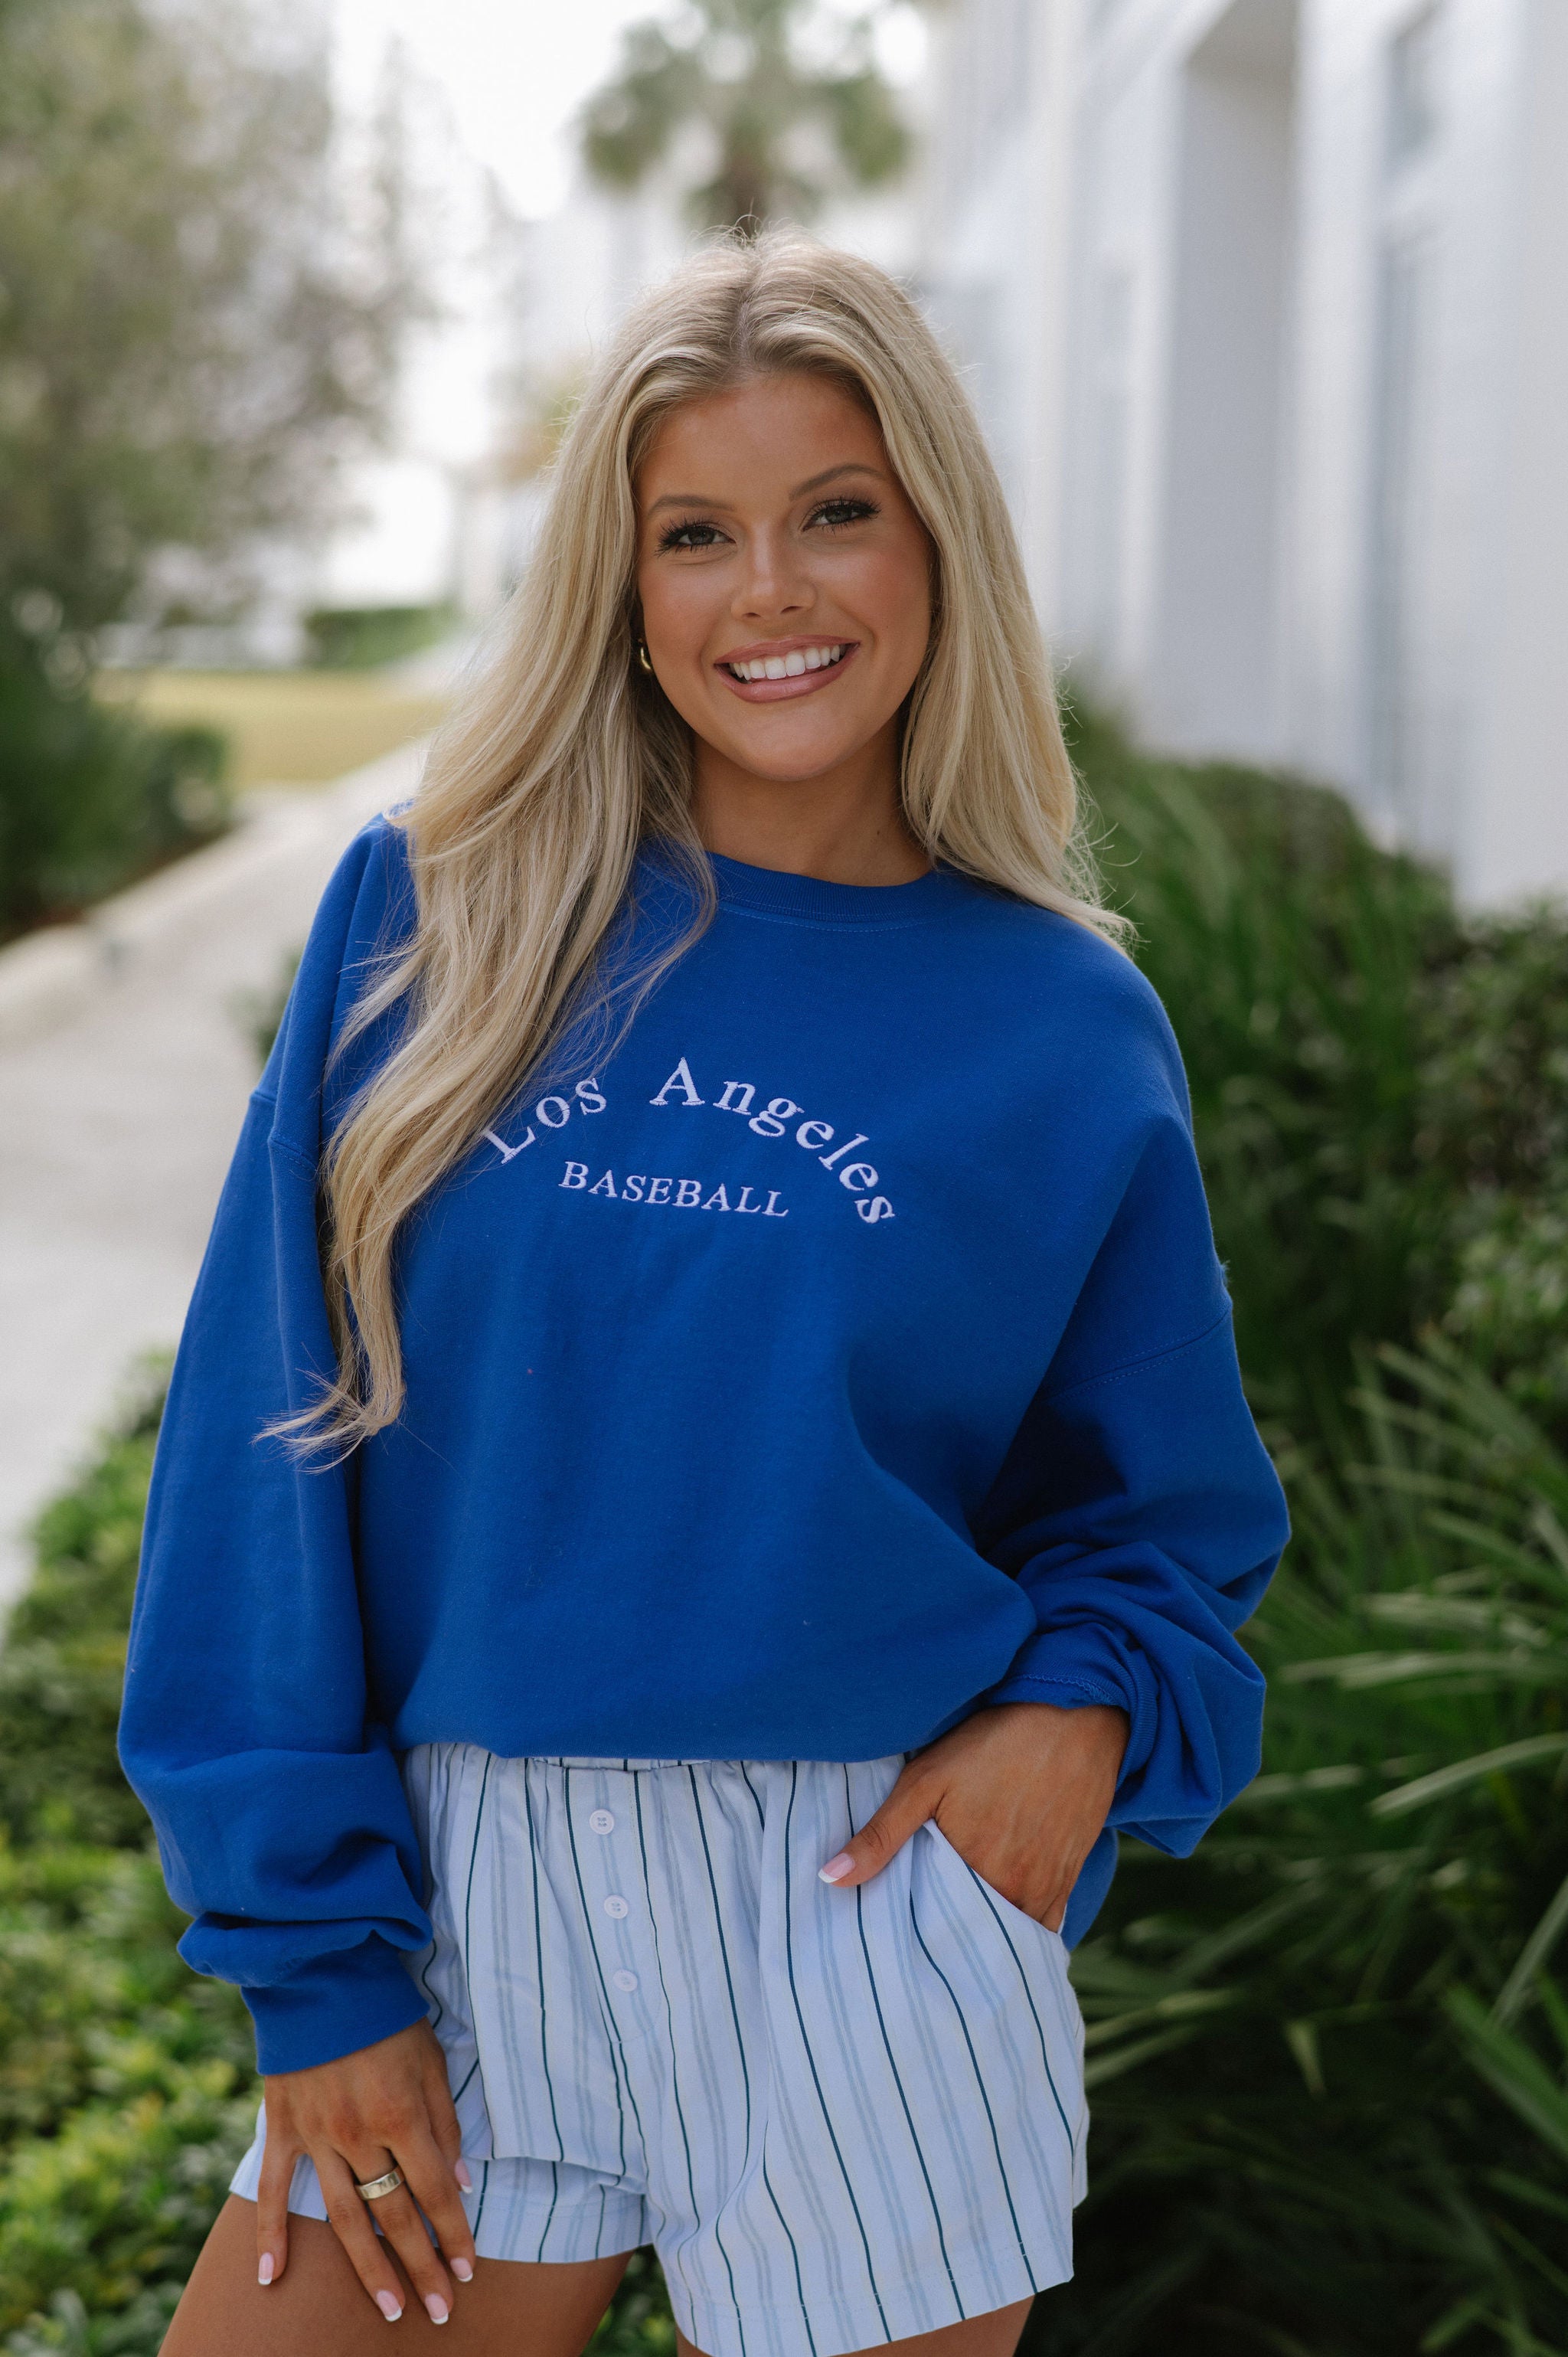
[737, 67]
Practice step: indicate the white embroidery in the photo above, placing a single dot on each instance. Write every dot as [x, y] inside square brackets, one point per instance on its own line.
[773, 1122]
[675, 1194]
[508, 1153]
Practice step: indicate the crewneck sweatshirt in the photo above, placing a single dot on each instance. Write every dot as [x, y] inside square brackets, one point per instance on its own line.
[833, 1348]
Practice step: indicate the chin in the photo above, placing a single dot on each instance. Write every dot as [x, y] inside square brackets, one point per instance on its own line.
[787, 751]
[781, 769]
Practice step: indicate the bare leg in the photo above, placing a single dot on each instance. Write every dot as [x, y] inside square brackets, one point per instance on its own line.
[994, 2334]
[510, 2310]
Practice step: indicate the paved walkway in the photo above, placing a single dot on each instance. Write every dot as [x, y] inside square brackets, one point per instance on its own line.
[123, 1075]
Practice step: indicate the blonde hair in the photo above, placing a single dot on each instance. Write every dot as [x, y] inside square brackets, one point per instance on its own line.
[562, 759]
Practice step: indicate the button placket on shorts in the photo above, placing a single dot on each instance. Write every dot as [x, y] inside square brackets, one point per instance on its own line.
[613, 1904]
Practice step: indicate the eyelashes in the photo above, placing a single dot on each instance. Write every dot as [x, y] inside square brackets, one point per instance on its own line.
[832, 515]
[857, 511]
[675, 536]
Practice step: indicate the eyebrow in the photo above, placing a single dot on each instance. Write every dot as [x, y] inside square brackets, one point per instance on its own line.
[813, 483]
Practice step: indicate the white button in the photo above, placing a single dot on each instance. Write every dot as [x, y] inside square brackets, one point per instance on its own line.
[602, 1822]
[624, 1980]
[617, 1906]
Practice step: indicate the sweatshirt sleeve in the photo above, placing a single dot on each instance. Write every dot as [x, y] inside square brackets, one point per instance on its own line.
[246, 1730]
[1140, 1512]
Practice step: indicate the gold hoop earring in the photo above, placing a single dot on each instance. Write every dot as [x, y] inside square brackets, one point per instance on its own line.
[642, 657]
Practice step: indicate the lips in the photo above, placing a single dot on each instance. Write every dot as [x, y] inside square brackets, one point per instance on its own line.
[819, 661]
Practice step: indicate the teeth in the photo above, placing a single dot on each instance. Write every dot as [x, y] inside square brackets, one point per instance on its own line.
[789, 666]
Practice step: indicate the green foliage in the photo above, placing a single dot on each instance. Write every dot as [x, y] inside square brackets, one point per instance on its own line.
[189, 325]
[637, 2322]
[743, 72]
[126, 2086]
[1379, 1087]
[185, 358]
[358, 637]
[64, 1661]
[1494, 1116]
[89, 797]
[1326, 2058]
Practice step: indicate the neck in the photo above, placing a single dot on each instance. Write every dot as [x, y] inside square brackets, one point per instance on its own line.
[844, 827]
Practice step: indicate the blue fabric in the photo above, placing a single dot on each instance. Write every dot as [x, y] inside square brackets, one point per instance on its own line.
[841, 1348]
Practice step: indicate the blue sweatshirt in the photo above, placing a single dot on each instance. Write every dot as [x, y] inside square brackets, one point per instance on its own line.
[845, 1349]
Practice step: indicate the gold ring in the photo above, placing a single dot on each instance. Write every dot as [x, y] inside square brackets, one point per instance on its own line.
[375, 2187]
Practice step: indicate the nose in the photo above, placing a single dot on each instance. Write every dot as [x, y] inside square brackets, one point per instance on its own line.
[774, 583]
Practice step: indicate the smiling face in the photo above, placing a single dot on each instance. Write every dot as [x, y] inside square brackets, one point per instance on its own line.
[784, 580]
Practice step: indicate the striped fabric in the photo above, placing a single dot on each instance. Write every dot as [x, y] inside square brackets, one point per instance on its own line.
[841, 2117]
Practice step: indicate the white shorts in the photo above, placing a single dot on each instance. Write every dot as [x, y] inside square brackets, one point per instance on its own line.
[840, 2118]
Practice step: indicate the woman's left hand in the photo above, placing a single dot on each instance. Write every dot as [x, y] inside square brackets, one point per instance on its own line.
[1020, 1789]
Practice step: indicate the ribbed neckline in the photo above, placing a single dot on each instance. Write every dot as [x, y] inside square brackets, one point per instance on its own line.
[776, 892]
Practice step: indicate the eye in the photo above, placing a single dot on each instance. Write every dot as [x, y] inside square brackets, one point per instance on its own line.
[836, 513]
[689, 535]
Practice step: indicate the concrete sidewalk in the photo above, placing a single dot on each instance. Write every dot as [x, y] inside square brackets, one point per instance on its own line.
[123, 1075]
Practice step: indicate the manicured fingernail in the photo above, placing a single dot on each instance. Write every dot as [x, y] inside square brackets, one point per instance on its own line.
[388, 2306]
[463, 2178]
[463, 2271]
[836, 1867]
[437, 2308]
[264, 2272]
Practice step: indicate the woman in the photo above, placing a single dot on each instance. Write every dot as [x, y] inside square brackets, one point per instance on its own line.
[706, 1470]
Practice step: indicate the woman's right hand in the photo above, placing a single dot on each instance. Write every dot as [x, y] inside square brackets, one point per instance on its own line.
[387, 2105]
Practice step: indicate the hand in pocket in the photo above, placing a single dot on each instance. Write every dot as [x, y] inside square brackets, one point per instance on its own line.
[1022, 1791]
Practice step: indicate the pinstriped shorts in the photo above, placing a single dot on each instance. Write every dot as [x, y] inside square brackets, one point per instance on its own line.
[840, 2118]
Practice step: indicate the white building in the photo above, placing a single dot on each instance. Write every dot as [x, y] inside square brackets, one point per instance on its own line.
[1267, 303]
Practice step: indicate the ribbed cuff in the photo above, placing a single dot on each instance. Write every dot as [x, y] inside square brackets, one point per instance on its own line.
[334, 2006]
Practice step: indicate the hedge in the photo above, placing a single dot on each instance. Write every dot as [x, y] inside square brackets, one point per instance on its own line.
[91, 796]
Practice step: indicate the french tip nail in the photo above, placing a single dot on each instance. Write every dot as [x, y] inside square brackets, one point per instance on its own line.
[388, 2306]
[265, 2271]
[463, 2271]
[436, 2309]
[836, 1867]
[463, 2178]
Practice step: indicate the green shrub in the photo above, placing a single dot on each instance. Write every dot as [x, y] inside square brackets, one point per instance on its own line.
[1326, 2076]
[1494, 1119]
[358, 637]
[91, 797]
[128, 2094]
[1379, 1087]
[126, 2085]
[64, 1659]
[1288, 949]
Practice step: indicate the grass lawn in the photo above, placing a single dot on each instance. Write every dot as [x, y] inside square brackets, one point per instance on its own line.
[299, 727]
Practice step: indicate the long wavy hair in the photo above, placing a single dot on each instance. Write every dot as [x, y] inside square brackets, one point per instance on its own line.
[563, 757]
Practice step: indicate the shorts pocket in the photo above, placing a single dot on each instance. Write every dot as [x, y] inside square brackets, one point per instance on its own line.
[1004, 1905]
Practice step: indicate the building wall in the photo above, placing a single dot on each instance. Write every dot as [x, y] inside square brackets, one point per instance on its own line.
[1513, 826]
[1266, 315]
